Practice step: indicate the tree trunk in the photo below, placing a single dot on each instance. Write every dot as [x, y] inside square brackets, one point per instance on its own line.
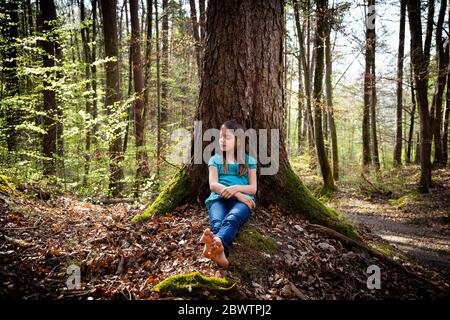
[10, 33]
[328, 181]
[158, 95]
[112, 94]
[401, 50]
[48, 12]
[88, 108]
[373, 120]
[148, 111]
[329, 94]
[412, 116]
[165, 63]
[370, 52]
[195, 34]
[443, 59]
[247, 86]
[308, 125]
[420, 66]
[142, 170]
[446, 122]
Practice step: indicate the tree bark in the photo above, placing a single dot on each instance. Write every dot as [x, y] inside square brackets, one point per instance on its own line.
[373, 120]
[48, 12]
[142, 170]
[370, 52]
[401, 53]
[246, 86]
[319, 44]
[112, 94]
[195, 34]
[443, 59]
[329, 94]
[165, 63]
[420, 65]
[412, 117]
[10, 34]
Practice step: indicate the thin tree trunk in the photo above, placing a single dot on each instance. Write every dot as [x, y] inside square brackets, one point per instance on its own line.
[368, 82]
[142, 170]
[321, 11]
[401, 50]
[113, 95]
[48, 12]
[443, 59]
[158, 95]
[412, 117]
[148, 112]
[373, 120]
[10, 34]
[165, 63]
[329, 94]
[195, 33]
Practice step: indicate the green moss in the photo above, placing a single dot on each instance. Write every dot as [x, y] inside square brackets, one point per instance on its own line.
[254, 239]
[171, 195]
[301, 200]
[6, 187]
[195, 282]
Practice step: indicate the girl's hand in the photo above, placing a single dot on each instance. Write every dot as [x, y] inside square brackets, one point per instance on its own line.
[243, 198]
[229, 192]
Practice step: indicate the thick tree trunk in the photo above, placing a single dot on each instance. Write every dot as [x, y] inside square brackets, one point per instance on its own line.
[142, 170]
[328, 181]
[370, 52]
[112, 95]
[420, 66]
[248, 87]
[401, 50]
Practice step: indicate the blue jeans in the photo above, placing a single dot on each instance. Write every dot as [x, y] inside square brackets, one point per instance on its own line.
[226, 216]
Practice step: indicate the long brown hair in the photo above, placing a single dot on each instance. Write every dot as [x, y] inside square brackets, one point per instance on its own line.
[243, 167]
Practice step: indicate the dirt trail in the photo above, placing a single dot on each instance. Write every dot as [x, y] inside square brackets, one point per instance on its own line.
[417, 224]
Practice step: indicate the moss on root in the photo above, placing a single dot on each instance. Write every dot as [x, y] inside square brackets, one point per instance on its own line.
[169, 198]
[301, 199]
[251, 237]
[192, 283]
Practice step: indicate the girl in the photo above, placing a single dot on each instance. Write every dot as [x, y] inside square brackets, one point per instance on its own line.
[233, 185]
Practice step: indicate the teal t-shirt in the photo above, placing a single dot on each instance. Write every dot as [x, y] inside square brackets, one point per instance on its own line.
[232, 177]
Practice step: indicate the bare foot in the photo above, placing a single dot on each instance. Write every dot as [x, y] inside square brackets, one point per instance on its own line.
[219, 253]
[207, 238]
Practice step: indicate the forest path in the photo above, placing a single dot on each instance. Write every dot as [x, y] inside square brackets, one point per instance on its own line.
[416, 223]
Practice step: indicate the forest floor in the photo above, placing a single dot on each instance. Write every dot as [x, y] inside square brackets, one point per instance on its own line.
[275, 256]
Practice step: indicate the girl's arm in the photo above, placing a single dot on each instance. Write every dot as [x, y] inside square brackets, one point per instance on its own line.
[248, 189]
[214, 185]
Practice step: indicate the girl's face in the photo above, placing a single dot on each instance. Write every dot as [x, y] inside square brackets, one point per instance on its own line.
[227, 139]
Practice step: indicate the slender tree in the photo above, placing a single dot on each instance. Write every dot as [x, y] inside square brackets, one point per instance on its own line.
[48, 13]
[113, 95]
[420, 61]
[370, 52]
[142, 170]
[401, 50]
